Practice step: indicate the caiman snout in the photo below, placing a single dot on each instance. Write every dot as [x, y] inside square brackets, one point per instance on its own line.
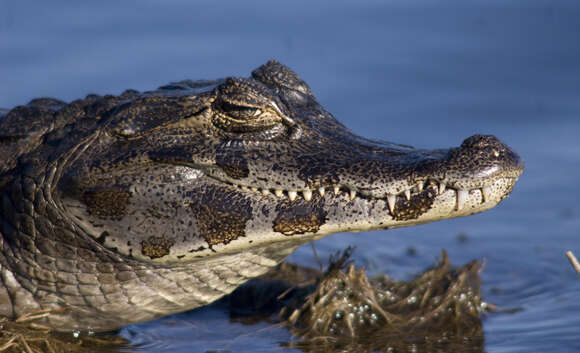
[474, 177]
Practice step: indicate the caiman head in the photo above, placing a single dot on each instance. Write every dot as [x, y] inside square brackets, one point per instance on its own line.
[120, 209]
[198, 169]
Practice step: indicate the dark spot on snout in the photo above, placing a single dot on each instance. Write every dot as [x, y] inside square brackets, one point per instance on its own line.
[406, 210]
[221, 214]
[156, 247]
[234, 167]
[299, 217]
[318, 171]
[107, 204]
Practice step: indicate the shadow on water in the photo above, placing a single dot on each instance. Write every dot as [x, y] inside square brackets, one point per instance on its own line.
[339, 309]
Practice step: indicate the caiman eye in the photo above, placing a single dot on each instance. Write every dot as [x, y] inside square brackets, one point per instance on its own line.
[240, 119]
[245, 105]
[239, 112]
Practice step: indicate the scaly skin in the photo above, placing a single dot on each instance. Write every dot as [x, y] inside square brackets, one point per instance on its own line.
[121, 209]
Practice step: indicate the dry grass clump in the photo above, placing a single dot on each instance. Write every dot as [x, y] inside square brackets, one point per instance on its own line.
[438, 311]
[23, 335]
[573, 261]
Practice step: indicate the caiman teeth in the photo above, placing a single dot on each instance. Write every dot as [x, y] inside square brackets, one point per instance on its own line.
[392, 200]
[352, 194]
[461, 195]
[486, 193]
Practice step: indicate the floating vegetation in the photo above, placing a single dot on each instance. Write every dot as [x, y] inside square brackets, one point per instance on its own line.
[437, 311]
[343, 310]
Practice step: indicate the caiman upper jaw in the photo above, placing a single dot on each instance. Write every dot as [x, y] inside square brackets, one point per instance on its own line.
[482, 168]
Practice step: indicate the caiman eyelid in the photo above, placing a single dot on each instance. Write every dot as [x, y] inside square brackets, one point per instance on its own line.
[233, 117]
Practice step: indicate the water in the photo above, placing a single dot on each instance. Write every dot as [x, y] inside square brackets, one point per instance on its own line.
[417, 72]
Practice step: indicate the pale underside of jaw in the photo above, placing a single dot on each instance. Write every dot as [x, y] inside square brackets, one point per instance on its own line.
[461, 195]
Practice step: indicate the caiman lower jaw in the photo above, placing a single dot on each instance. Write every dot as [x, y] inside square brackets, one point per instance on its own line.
[487, 194]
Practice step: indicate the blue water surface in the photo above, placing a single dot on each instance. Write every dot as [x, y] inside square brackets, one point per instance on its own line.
[419, 72]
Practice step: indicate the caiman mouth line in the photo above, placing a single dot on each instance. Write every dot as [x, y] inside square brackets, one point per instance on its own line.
[439, 187]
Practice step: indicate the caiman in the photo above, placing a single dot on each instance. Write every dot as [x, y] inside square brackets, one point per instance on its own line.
[122, 209]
